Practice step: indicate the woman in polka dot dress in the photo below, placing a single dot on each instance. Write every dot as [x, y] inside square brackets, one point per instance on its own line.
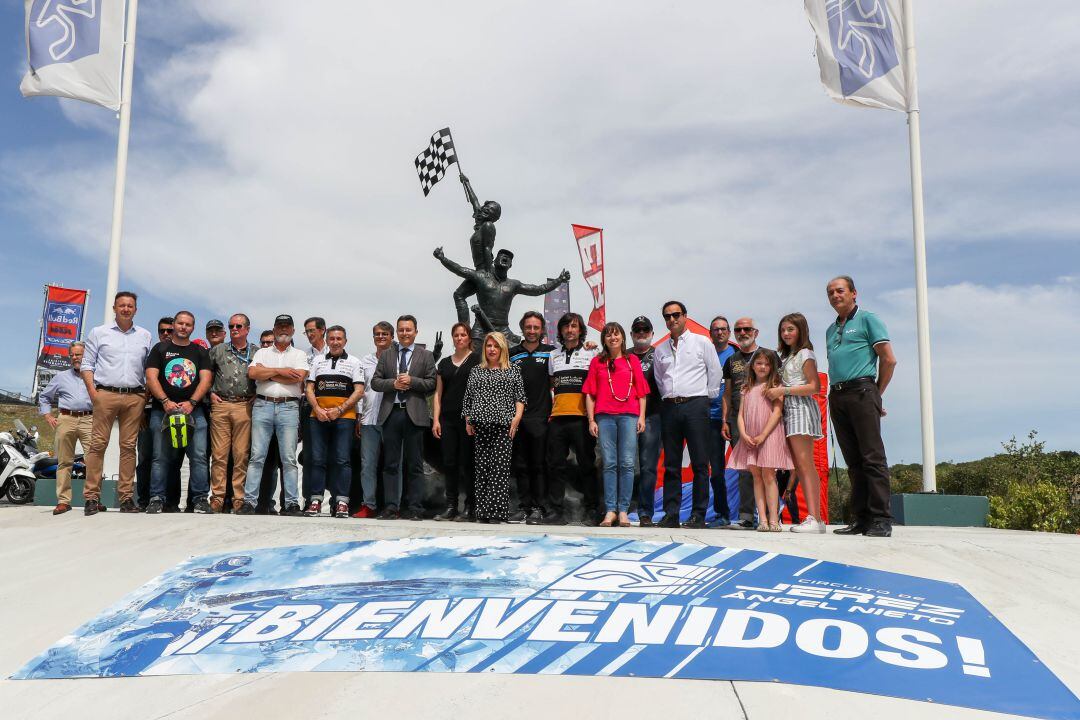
[492, 408]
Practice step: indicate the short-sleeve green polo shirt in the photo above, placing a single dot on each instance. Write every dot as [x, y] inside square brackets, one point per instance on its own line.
[851, 350]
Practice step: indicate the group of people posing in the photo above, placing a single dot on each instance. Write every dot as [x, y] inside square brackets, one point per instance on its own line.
[499, 412]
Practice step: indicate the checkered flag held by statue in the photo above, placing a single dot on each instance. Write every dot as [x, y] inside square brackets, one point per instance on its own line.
[431, 164]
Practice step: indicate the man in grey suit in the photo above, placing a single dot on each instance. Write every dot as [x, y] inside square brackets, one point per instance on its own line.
[405, 374]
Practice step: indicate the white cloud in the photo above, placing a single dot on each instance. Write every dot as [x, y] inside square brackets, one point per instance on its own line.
[271, 166]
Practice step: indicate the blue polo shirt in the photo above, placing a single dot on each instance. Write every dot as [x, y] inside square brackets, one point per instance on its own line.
[850, 345]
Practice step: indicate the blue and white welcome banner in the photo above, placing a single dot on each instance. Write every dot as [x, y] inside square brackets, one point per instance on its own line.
[559, 605]
[74, 49]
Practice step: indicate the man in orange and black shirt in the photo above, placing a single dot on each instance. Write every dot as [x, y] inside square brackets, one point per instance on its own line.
[568, 428]
[335, 385]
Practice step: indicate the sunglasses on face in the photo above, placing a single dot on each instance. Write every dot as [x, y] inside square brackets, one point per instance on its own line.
[744, 329]
[164, 331]
[672, 316]
[266, 343]
[236, 327]
[720, 330]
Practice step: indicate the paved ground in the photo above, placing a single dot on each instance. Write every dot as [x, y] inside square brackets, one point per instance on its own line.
[60, 572]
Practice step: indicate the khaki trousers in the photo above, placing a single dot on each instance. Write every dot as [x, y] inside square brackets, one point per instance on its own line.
[230, 430]
[68, 430]
[110, 407]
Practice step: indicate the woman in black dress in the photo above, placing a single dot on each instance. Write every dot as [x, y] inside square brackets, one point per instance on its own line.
[452, 374]
[493, 404]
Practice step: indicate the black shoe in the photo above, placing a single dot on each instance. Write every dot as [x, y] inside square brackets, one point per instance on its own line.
[153, 507]
[855, 528]
[265, 510]
[554, 518]
[91, 507]
[468, 516]
[670, 521]
[201, 506]
[695, 522]
[408, 514]
[645, 521]
[129, 506]
[449, 513]
[388, 514]
[171, 509]
[293, 510]
[879, 528]
[536, 517]
[744, 525]
[246, 509]
[519, 516]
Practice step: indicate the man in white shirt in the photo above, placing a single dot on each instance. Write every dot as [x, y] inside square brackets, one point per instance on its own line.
[368, 428]
[279, 372]
[688, 374]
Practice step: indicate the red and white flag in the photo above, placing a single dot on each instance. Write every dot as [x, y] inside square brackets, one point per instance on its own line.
[590, 242]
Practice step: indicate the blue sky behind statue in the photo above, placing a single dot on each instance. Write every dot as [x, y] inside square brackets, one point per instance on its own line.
[271, 171]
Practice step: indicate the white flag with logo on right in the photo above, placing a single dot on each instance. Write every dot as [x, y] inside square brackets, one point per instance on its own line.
[75, 49]
[860, 49]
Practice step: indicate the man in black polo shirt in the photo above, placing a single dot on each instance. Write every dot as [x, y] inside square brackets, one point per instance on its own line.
[530, 443]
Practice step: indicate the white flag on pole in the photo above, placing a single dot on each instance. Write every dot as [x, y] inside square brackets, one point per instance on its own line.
[75, 49]
[860, 49]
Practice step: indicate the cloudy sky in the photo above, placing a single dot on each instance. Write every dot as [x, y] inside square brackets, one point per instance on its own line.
[271, 171]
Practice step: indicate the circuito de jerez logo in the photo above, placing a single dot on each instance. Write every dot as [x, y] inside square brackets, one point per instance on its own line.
[862, 39]
[63, 31]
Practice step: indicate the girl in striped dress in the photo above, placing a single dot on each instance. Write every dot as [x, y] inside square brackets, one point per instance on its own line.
[802, 417]
[762, 447]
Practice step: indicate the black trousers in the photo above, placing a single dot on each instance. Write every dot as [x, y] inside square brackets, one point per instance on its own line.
[403, 444]
[570, 433]
[145, 450]
[856, 417]
[530, 462]
[686, 422]
[457, 457]
[717, 465]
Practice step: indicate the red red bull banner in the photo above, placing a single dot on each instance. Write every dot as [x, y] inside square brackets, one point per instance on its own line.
[590, 242]
[61, 325]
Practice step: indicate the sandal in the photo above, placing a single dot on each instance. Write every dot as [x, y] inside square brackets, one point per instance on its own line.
[776, 527]
[609, 520]
[624, 520]
[763, 528]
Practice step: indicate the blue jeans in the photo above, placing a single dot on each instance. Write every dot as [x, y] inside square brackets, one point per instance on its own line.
[648, 459]
[370, 446]
[165, 456]
[280, 420]
[330, 443]
[618, 450]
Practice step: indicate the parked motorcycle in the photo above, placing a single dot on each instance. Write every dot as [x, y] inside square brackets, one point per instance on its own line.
[45, 468]
[18, 458]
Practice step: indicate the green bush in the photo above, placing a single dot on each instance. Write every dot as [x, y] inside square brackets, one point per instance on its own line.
[1040, 505]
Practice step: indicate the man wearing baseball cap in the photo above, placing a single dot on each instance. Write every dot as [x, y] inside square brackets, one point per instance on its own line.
[215, 332]
[641, 333]
[279, 372]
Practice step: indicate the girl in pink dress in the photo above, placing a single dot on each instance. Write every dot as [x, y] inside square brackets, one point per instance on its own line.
[762, 447]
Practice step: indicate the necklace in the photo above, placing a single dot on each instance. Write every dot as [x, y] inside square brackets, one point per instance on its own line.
[611, 384]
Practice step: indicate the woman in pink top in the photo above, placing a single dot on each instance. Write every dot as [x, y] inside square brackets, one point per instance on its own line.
[615, 391]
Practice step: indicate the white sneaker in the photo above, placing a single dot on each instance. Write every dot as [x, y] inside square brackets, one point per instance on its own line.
[821, 528]
[809, 525]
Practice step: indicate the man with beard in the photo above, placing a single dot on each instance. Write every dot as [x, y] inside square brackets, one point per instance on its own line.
[279, 372]
[641, 330]
[530, 444]
[735, 369]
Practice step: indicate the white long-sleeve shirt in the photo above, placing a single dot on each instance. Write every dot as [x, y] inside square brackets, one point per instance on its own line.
[689, 370]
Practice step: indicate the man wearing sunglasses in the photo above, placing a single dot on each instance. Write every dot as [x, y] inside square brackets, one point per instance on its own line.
[736, 368]
[861, 364]
[688, 373]
[145, 448]
[231, 396]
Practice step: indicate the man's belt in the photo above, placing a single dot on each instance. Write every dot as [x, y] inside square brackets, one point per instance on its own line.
[400, 405]
[138, 389]
[852, 384]
[267, 398]
[681, 400]
[235, 398]
[76, 413]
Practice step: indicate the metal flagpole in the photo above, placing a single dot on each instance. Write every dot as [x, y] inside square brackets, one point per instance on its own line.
[113, 279]
[926, 393]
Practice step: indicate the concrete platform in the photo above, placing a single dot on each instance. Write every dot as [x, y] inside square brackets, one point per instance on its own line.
[61, 571]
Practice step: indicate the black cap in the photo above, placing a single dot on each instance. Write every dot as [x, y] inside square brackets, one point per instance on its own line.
[641, 323]
[214, 325]
[284, 320]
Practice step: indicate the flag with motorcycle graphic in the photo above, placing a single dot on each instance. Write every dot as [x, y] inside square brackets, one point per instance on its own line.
[61, 325]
